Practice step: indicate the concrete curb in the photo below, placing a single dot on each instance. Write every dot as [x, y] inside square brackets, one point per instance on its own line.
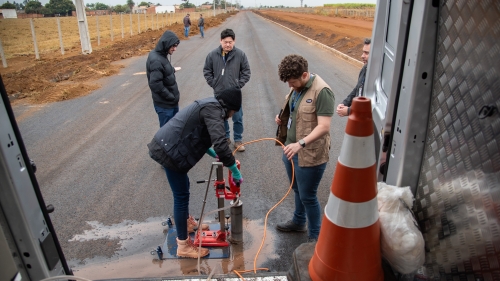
[321, 45]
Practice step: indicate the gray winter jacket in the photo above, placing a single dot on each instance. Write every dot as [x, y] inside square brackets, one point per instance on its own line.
[221, 75]
[183, 141]
[161, 74]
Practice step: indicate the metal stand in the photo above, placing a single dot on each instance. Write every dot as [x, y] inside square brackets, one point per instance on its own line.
[220, 187]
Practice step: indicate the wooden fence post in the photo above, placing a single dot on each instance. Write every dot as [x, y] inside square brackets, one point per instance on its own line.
[111, 22]
[121, 20]
[37, 56]
[98, 33]
[139, 22]
[60, 35]
[4, 62]
[131, 24]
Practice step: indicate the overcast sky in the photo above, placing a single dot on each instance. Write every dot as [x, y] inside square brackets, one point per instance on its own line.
[245, 3]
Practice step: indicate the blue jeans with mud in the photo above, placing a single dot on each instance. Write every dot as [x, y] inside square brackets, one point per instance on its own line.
[305, 187]
[179, 183]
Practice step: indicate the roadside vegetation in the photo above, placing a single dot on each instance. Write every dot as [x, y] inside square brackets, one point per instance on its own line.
[350, 6]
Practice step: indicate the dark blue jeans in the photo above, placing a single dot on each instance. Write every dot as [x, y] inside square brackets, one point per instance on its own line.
[179, 183]
[186, 31]
[305, 187]
[201, 31]
[165, 114]
[237, 126]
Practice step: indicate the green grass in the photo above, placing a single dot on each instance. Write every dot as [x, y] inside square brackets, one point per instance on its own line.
[350, 6]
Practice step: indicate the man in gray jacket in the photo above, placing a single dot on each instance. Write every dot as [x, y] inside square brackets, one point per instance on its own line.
[225, 67]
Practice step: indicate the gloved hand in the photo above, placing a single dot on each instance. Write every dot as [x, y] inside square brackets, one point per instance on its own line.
[212, 153]
[235, 173]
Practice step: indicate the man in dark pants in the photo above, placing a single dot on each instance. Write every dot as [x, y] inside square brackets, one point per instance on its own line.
[227, 66]
[201, 25]
[161, 77]
[343, 109]
[183, 141]
[187, 25]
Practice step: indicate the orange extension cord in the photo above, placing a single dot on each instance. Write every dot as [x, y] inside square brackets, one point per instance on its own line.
[238, 272]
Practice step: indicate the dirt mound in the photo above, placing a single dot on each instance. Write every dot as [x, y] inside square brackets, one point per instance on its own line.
[55, 78]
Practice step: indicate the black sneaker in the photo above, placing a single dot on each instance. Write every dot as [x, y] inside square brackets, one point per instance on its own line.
[228, 141]
[312, 240]
[291, 226]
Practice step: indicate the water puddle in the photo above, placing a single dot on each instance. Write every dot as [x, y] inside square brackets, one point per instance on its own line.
[137, 239]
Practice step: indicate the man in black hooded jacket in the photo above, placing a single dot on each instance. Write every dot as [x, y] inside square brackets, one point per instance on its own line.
[161, 77]
[183, 141]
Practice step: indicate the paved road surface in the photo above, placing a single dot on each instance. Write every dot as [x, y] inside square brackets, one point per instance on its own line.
[110, 197]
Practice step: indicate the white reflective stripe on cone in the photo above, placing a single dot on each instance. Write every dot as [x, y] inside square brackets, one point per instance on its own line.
[353, 153]
[351, 215]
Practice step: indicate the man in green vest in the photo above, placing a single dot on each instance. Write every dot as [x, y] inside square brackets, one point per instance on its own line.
[305, 120]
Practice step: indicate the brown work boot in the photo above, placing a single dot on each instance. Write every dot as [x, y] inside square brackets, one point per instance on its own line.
[238, 144]
[191, 222]
[186, 249]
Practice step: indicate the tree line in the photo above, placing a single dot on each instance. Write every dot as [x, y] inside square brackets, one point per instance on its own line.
[61, 7]
[65, 7]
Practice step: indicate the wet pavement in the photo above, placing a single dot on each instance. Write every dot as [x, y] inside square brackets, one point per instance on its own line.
[131, 261]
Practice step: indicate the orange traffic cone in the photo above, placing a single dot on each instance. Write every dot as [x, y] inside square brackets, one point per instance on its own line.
[348, 246]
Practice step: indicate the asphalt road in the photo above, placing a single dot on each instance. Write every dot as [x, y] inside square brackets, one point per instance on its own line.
[110, 197]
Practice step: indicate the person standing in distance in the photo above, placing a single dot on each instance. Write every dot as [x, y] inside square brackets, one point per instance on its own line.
[161, 77]
[201, 25]
[227, 66]
[187, 25]
[344, 108]
[305, 119]
[182, 142]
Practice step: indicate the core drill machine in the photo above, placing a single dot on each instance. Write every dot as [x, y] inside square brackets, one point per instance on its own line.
[219, 236]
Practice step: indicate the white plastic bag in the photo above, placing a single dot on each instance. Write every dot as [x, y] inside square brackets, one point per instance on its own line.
[402, 242]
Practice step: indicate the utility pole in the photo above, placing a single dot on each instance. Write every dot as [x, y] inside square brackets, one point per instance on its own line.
[214, 8]
[301, 3]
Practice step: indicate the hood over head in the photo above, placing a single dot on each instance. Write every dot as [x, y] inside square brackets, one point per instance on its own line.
[167, 40]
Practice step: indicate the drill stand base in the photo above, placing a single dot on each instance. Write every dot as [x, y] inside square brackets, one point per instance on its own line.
[169, 248]
[212, 238]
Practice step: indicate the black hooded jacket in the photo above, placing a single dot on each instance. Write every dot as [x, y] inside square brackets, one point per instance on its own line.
[161, 74]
